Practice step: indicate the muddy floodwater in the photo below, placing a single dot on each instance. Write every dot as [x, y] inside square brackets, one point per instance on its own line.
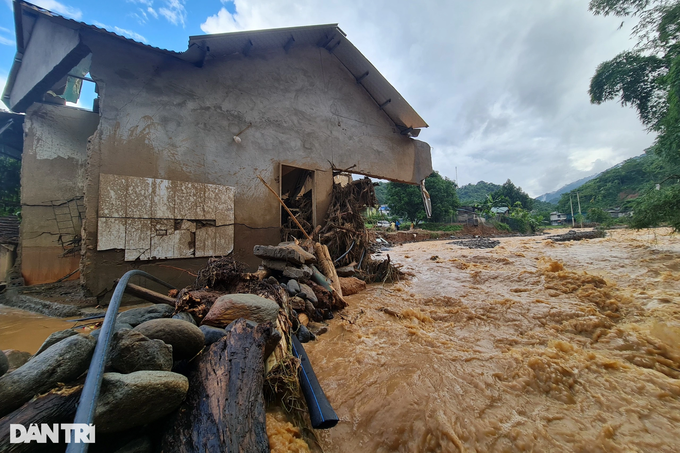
[531, 346]
[26, 331]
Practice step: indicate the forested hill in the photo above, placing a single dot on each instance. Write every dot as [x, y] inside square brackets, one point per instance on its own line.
[470, 194]
[618, 186]
[554, 197]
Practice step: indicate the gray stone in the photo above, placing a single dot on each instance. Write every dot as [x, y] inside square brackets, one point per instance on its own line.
[212, 334]
[62, 362]
[274, 265]
[16, 358]
[139, 445]
[139, 398]
[303, 272]
[4, 363]
[184, 316]
[135, 352]
[293, 287]
[136, 316]
[56, 337]
[230, 307]
[186, 339]
[346, 271]
[306, 292]
[288, 252]
[304, 335]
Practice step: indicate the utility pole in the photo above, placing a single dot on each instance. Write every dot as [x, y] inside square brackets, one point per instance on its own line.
[579, 209]
[571, 205]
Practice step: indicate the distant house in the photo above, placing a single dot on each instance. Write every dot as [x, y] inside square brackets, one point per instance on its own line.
[166, 165]
[557, 218]
[384, 210]
[617, 213]
[501, 211]
[467, 214]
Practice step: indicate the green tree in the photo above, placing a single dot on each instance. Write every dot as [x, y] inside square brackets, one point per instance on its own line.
[511, 194]
[10, 181]
[406, 200]
[648, 79]
[598, 215]
[470, 194]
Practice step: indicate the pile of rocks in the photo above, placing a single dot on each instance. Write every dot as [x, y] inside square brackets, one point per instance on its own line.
[573, 235]
[477, 243]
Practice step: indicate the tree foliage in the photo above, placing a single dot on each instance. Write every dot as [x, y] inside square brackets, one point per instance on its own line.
[509, 194]
[10, 181]
[648, 78]
[405, 199]
[471, 194]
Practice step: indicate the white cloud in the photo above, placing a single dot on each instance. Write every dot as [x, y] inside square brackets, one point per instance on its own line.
[174, 12]
[153, 12]
[503, 85]
[122, 31]
[6, 41]
[60, 8]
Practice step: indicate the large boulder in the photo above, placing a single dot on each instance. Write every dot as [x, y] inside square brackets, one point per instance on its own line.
[61, 362]
[186, 339]
[139, 398]
[56, 337]
[307, 292]
[4, 363]
[16, 358]
[230, 307]
[136, 316]
[135, 352]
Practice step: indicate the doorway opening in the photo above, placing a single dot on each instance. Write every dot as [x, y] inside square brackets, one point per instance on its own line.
[298, 194]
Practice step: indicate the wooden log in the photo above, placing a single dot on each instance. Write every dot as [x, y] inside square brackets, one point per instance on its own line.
[224, 410]
[56, 406]
[148, 295]
[328, 269]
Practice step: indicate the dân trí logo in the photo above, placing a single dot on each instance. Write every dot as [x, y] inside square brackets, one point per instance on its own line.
[73, 432]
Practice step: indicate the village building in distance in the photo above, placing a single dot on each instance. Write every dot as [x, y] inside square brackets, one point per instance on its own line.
[166, 165]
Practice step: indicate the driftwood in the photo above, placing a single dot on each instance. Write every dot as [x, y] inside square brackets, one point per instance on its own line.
[56, 406]
[224, 410]
[328, 269]
[197, 302]
[148, 295]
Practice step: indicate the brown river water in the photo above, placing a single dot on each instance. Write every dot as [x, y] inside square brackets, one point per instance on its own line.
[531, 346]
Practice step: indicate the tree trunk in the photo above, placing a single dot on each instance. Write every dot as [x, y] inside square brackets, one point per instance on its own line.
[328, 269]
[148, 295]
[56, 406]
[224, 410]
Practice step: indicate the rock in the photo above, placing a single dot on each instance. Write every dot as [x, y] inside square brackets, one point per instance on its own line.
[184, 316]
[293, 287]
[186, 339]
[351, 285]
[346, 271]
[304, 335]
[317, 328]
[56, 337]
[139, 445]
[231, 307]
[61, 362]
[304, 319]
[117, 327]
[304, 272]
[274, 265]
[136, 316]
[135, 352]
[309, 257]
[212, 334]
[16, 358]
[272, 280]
[297, 303]
[139, 398]
[289, 252]
[307, 293]
[4, 363]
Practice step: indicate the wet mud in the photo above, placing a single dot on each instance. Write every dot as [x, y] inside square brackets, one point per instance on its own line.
[534, 345]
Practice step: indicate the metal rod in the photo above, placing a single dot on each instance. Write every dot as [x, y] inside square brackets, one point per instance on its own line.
[93, 381]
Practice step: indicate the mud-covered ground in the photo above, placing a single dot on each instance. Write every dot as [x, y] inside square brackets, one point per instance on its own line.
[530, 346]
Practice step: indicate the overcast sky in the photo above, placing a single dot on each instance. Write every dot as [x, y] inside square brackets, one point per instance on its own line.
[503, 84]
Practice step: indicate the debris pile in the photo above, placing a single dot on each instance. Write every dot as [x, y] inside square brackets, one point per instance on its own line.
[573, 235]
[477, 243]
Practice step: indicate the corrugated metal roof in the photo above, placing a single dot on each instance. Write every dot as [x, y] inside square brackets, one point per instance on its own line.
[9, 230]
[333, 39]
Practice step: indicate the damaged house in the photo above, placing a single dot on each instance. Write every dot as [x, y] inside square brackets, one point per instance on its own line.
[163, 172]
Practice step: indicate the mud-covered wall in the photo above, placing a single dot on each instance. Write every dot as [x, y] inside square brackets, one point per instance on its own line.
[165, 118]
[52, 189]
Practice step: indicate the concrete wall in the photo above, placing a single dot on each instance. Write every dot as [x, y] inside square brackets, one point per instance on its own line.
[52, 188]
[165, 118]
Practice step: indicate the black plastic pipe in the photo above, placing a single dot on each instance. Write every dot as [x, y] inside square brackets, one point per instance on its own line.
[93, 381]
[321, 413]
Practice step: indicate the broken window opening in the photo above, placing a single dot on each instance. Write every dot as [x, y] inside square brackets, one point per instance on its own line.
[297, 192]
[76, 89]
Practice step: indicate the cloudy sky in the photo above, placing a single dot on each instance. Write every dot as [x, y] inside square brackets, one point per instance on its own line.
[503, 84]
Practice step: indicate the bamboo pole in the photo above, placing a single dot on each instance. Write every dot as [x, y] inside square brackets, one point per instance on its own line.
[285, 207]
